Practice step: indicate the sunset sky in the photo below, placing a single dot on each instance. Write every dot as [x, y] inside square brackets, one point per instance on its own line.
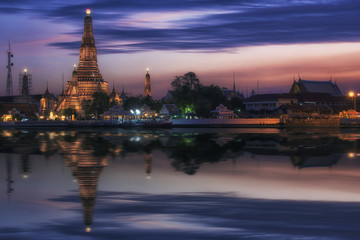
[269, 42]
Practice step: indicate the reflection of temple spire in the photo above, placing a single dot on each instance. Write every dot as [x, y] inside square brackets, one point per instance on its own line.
[87, 179]
[25, 166]
[9, 175]
[147, 158]
[86, 169]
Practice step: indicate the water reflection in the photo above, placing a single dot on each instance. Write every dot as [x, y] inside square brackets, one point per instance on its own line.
[86, 156]
[9, 178]
[187, 151]
[89, 153]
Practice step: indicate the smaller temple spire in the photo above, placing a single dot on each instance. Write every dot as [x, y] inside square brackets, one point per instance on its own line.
[147, 90]
[234, 89]
[63, 84]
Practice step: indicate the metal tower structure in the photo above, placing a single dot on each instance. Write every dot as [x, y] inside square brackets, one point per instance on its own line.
[9, 86]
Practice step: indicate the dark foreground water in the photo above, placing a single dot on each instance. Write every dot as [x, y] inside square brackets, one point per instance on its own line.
[180, 184]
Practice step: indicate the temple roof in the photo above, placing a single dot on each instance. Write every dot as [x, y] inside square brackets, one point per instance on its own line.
[116, 111]
[316, 87]
[47, 94]
[270, 97]
[170, 109]
[113, 94]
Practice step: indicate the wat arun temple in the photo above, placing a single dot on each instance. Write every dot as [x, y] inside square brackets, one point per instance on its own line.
[86, 76]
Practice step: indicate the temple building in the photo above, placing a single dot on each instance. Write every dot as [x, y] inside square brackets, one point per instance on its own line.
[306, 86]
[123, 95]
[47, 104]
[114, 97]
[86, 76]
[25, 80]
[147, 90]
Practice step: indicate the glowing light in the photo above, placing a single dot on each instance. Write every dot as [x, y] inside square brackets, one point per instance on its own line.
[351, 155]
[88, 11]
[351, 94]
[25, 70]
[88, 229]
[147, 69]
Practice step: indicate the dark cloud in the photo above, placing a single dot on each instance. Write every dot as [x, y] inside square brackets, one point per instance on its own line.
[10, 10]
[75, 45]
[224, 24]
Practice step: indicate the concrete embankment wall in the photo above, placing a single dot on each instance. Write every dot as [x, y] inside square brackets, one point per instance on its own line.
[350, 122]
[312, 122]
[237, 122]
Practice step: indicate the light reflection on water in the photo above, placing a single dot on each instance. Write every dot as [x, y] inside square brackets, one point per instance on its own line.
[200, 182]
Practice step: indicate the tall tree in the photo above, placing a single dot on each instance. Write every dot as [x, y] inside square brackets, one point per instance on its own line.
[190, 96]
[98, 105]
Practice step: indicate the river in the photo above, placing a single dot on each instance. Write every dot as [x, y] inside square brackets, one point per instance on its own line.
[296, 183]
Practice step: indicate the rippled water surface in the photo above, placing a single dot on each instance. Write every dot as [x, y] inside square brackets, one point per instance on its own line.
[180, 184]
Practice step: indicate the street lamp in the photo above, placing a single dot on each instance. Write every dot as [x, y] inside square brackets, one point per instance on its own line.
[353, 95]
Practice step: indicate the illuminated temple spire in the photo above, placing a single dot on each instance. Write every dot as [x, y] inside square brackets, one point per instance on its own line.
[147, 91]
[86, 76]
[88, 67]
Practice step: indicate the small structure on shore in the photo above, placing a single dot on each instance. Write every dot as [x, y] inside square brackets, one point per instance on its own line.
[146, 112]
[117, 113]
[18, 111]
[169, 110]
[223, 112]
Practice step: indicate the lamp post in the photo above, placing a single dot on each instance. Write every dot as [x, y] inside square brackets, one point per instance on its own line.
[352, 94]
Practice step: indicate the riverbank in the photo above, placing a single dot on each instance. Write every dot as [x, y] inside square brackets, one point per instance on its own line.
[226, 123]
[192, 123]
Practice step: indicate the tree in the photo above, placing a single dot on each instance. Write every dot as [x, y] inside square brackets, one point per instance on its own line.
[133, 103]
[190, 96]
[188, 81]
[67, 112]
[237, 104]
[100, 103]
[186, 90]
[86, 106]
[209, 98]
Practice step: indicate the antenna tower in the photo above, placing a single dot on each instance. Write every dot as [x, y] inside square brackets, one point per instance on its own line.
[9, 86]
